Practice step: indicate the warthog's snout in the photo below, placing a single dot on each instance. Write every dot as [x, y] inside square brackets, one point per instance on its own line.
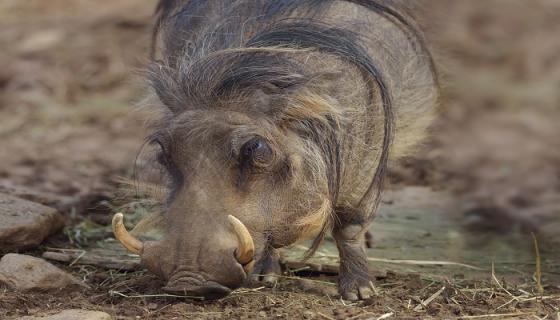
[220, 266]
[209, 290]
[185, 283]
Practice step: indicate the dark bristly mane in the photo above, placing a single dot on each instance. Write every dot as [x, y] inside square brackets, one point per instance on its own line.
[253, 48]
[345, 45]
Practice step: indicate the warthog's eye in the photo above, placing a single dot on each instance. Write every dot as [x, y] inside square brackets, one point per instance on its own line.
[171, 171]
[162, 156]
[256, 152]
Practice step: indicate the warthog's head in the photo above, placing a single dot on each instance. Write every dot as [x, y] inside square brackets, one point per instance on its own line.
[242, 181]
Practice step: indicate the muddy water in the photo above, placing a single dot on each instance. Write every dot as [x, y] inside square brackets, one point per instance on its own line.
[422, 231]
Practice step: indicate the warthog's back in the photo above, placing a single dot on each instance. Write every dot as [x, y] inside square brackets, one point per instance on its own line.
[366, 58]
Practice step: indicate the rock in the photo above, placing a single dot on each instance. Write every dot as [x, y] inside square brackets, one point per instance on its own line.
[73, 314]
[48, 199]
[25, 273]
[25, 224]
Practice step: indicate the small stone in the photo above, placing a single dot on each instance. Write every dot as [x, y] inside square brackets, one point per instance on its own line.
[25, 273]
[262, 314]
[308, 314]
[73, 314]
[40, 41]
[25, 224]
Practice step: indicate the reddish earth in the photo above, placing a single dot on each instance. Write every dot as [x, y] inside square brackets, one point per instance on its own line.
[70, 78]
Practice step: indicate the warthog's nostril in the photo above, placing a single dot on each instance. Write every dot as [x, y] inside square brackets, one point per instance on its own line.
[208, 290]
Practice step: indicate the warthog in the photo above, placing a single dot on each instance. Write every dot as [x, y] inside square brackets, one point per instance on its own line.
[279, 118]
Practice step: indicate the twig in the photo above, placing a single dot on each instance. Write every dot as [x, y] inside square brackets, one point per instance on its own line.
[344, 302]
[542, 298]
[497, 315]
[538, 273]
[524, 292]
[359, 316]
[83, 253]
[426, 263]
[507, 303]
[116, 293]
[300, 269]
[475, 289]
[416, 262]
[426, 302]
[499, 284]
[385, 316]
[411, 262]
[311, 280]
[64, 249]
[247, 290]
[325, 316]
[375, 291]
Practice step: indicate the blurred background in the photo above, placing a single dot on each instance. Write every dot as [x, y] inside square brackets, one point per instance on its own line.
[71, 73]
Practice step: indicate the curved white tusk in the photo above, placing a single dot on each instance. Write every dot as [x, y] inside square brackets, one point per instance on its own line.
[246, 247]
[126, 239]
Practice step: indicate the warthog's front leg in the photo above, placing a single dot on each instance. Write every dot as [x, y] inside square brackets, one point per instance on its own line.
[353, 278]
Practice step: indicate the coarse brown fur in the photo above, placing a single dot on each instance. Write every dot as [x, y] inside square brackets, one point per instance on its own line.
[330, 90]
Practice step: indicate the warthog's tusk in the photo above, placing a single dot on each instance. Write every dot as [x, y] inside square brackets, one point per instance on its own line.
[246, 248]
[126, 239]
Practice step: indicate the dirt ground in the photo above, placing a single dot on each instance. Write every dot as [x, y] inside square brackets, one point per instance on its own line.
[71, 73]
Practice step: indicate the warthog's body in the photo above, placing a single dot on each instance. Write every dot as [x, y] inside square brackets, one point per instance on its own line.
[283, 114]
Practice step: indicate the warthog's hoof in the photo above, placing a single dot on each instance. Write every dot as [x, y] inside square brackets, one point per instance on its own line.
[353, 289]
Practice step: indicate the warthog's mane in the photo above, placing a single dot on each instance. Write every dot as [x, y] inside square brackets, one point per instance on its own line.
[253, 49]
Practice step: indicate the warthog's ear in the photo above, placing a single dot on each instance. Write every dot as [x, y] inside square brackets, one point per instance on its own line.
[165, 86]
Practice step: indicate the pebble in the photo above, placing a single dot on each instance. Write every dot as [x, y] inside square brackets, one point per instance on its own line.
[73, 314]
